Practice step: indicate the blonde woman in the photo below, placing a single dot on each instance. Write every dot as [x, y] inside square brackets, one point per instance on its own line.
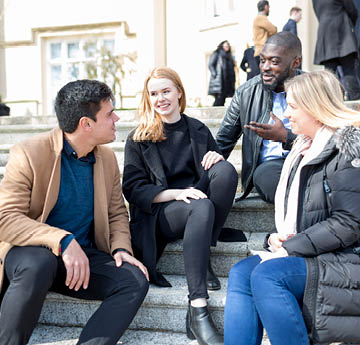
[306, 288]
[178, 186]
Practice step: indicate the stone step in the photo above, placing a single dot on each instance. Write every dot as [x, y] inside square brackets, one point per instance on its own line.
[14, 129]
[63, 311]
[52, 335]
[12, 134]
[124, 115]
[223, 256]
[118, 148]
[251, 215]
[58, 310]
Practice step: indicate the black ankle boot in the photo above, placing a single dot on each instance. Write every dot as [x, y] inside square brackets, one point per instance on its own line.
[212, 282]
[200, 326]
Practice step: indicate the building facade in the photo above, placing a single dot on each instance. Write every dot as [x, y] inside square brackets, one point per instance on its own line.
[45, 44]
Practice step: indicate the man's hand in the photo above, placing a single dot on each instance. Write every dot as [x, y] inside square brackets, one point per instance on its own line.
[281, 253]
[121, 257]
[275, 131]
[77, 266]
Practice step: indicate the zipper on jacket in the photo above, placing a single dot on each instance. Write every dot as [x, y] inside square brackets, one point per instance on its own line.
[316, 289]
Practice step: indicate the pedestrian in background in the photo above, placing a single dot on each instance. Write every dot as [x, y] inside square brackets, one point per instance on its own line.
[248, 63]
[336, 43]
[295, 17]
[222, 69]
[262, 28]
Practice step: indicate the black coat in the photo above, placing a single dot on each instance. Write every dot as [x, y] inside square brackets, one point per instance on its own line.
[291, 26]
[248, 63]
[328, 227]
[336, 36]
[143, 179]
[222, 74]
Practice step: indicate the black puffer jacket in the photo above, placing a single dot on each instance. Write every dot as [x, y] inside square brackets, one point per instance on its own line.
[251, 102]
[328, 235]
[222, 73]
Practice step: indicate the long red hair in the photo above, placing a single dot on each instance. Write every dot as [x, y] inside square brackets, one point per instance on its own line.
[151, 127]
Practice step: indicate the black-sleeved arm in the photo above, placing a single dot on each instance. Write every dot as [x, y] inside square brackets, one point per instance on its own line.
[243, 63]
[138, 188]
[351, 10]
[290, 138]
[230, 129]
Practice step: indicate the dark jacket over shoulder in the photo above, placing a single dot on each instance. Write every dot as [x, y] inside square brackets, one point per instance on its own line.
[143, 179]
[252, 68]
[251, 102]
[328, 231]
[291, 26]
[336, 37]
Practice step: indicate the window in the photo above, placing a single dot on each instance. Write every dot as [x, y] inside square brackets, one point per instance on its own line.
[69, 59]
[217, 8]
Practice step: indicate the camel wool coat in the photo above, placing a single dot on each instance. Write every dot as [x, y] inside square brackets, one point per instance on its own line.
[29, 191]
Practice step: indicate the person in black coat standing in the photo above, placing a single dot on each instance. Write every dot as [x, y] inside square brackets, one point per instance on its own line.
[336, 43]
[178, 186]
[305, 288]
[222, 69]
[249, 64]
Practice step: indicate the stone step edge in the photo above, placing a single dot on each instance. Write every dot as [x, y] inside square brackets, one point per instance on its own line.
[57, 335]
[117, 146]
[174, 297]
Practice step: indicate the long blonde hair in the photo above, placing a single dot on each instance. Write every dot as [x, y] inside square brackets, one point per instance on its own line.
[151, 127]
[322, 96]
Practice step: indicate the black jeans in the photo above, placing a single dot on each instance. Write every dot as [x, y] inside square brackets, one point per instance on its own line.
[219, 100]
[348, 64]
[32, 271]
[266, 178]
[200, 222]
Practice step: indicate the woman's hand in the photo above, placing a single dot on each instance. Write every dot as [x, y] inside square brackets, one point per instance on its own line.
[210, 158]
[280, 253]
[276, 240]
[190, 193]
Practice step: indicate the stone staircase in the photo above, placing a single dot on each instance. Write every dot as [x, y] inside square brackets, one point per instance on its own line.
[161, 319]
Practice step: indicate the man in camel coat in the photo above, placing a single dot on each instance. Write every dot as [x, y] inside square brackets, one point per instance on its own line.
[63, 222]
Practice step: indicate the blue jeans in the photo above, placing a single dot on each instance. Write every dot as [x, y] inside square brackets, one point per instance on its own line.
[267, 295]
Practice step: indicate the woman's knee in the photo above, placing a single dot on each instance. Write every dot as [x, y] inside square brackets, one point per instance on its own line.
[239, 275]
[224, 171]
[267, 275]
[202, 207]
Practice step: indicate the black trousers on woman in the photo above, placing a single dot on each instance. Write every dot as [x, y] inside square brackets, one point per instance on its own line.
[199, 223]
[30, 272]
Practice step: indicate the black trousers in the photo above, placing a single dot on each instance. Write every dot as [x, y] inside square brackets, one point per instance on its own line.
[199, 223]
[32, 271]
[348, 64]
[266, 178]
[219, 100]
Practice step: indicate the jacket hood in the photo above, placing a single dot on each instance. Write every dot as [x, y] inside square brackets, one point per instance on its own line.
[347, 140]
